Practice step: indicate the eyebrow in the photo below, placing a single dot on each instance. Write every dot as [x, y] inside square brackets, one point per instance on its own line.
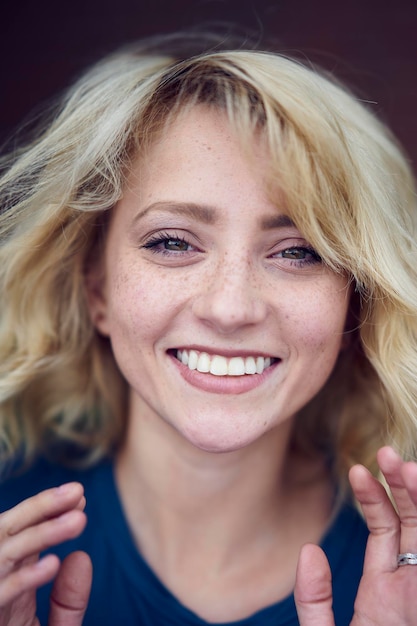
[277, 221]
[210, 215]
[199, 212]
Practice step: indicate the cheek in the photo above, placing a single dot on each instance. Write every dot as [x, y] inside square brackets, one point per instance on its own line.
[132, 322]
[317, 323]
[141, 303]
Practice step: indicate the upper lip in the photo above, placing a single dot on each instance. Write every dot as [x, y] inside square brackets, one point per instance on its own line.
[228, 353]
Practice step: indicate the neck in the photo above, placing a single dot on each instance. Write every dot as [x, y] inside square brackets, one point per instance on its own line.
[174, 492]
[222, 531]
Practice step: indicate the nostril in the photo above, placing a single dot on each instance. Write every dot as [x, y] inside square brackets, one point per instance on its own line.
[227, 309]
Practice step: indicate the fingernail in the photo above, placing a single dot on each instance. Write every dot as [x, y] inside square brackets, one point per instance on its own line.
[67, 488]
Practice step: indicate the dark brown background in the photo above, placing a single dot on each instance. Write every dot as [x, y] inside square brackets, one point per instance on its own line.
[371, 44]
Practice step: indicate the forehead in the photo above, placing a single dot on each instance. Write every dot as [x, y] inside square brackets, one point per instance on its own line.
[203, 129]
[200, 152]
[198, 169]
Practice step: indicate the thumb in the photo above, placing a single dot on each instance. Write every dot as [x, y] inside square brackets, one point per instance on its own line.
[313, 588]
[71, 590]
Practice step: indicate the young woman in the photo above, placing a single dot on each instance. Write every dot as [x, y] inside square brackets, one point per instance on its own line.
[208, 320]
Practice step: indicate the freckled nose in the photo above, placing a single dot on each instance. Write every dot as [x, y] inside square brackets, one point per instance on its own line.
[232, 298]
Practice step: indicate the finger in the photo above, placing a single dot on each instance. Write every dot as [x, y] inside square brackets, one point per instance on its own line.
[313, 588]
[38, 538]
[69, 598]
[80, 506]
[43, 506]
[402, 480]
[381, 519]
[27, 578]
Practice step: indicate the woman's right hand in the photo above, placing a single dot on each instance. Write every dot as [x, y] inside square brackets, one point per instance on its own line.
[36, 524]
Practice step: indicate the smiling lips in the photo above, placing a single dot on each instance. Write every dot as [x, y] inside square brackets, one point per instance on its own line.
[222, 366]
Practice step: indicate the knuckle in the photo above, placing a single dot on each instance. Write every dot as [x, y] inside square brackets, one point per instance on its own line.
[7, 562]
[409, 521]
[5, 528]
[12, 587]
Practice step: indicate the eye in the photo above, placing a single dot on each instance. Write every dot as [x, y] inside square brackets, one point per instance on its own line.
[164, 243]
[176, 245]
[298, 256]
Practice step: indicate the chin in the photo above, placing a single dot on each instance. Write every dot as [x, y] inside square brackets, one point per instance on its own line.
[217, 442]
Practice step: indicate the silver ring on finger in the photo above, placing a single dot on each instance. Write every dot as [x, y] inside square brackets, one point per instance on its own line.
[407, 558]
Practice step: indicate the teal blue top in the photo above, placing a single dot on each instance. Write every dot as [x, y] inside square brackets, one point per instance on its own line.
[125, 590]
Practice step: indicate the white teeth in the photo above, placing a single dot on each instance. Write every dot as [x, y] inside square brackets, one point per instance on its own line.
[222, 366]
[218, 366]
[203, 363]
[250, 365]
[192, 359]
[236, 366]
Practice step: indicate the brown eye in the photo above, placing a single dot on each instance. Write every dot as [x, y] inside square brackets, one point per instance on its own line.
[294, 253]
[299, 256]
[176, 245]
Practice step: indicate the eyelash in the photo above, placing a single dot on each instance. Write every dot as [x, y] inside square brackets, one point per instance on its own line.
[155, 243]
[312, 260]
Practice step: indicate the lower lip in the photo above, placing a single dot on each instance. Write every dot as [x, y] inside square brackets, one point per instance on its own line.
[223, 384]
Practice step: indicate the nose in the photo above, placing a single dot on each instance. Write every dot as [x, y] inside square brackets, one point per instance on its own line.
[231, 298]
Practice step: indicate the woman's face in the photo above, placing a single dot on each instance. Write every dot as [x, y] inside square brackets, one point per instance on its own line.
[222, 319]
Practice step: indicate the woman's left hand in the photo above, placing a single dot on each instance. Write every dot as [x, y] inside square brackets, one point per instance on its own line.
[387, 594]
